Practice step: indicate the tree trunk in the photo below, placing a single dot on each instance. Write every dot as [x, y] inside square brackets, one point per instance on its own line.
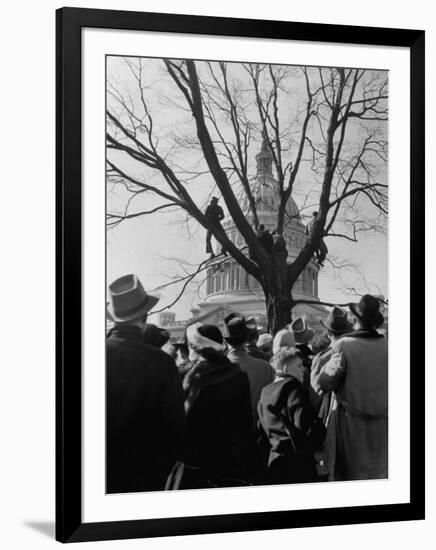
[279, 313]
[278, 296]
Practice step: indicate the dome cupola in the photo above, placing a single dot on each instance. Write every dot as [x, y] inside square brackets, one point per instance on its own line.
[264, 159]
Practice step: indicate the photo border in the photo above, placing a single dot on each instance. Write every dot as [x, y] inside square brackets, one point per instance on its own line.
[69, 23]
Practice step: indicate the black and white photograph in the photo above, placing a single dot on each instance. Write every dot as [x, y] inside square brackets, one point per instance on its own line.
[217, 290]
[247, 299]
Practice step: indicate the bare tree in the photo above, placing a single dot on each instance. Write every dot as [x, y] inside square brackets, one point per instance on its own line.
[332, 120]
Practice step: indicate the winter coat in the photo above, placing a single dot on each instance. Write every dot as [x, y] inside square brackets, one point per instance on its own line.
[326, 402]
[289, 422]
[266, 239]
[215, 213]
[259, 372]
[218, 437]
[145, 413]
[357, 432]
[256, 352]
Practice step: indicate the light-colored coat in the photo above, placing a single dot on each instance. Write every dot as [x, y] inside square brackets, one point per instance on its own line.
[357, 432]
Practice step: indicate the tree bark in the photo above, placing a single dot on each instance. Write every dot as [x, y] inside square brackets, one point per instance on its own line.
[279, 312]
[278, 294]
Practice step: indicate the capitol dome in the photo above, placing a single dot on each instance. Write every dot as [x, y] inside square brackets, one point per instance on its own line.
[228, 284]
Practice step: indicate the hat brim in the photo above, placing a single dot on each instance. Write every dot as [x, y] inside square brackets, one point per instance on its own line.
[305, 336]
[377, 321]
[349, 328]
[148, 305]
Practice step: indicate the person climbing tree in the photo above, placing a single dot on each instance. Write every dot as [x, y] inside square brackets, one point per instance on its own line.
[265, 238]
[279, 247]
[215, 214]
[322, 250]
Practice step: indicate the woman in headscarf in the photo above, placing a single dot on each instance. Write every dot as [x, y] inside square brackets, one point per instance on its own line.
[218, 444]
[290, 422]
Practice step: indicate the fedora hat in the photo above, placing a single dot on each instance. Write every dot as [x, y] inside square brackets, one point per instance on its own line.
[252, 326]
[302, 333]
[236, 328]
[128, 301]
[337, 321]
[368, 310]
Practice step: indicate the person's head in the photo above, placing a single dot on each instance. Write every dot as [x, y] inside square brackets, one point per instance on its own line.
[261, 227]
[303, 334]
[181, 350]
[321, 342]
[155, 336]
[337, 323]
[366, 313]
[314, 214]
[204, 341]
[264, 342]
[170, 350]
[252, 331]
[214, 200]
[237, 331]
[128, 302]
[182, 355]
[287, 361]
[284, 338]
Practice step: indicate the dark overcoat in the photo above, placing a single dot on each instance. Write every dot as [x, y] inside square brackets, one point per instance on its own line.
[145, 415]
[287, 419]
[218, 437]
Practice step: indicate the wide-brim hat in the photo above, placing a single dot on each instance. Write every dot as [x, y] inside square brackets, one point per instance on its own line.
[302, 333]
[236, 328]
[252, 326]
[337, 321]
[368, 310]
[128, 301]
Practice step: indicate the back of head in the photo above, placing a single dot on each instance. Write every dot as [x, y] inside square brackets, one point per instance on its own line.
[283, 338]
[155, 336]
[320, 343]
[211, 332]
[252, 330]
[237, 330]
[284, 358]
[206, 340]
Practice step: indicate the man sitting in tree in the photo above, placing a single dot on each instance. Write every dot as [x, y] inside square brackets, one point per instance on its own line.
[322, 250]
[265, 237]
[215, 214]
[279, 247]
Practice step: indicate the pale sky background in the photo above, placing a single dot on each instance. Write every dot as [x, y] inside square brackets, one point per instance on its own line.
[153, 246]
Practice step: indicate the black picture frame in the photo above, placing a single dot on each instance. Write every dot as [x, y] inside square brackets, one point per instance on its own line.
[69, 525]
